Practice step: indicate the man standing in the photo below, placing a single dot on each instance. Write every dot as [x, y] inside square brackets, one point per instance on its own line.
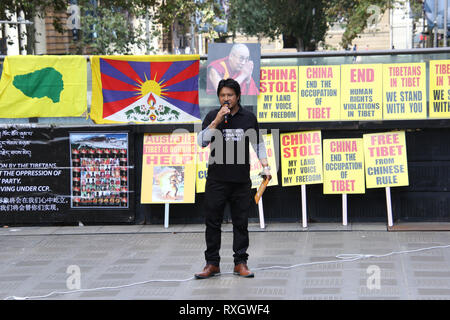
[238, 66]
[229, 129]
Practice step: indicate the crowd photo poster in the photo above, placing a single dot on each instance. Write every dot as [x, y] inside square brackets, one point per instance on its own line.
[99, 169]
[169, 168]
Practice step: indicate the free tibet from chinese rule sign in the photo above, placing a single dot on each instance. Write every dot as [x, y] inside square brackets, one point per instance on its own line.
[145, 89]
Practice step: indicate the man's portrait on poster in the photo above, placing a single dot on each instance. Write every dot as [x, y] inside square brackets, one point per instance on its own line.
[239, 61]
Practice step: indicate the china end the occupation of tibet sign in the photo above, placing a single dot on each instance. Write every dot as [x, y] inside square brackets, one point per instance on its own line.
[343, 166]
[319, 93]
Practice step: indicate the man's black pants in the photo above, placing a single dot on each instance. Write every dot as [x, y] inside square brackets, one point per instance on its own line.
[216, 195]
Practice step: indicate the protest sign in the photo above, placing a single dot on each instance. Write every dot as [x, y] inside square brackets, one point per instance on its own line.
[319, 93]
[202, 168]
[278, 98]
[439, 88]
[168, 168]
[385, 159]
[404, 91]
[256, 166]
[343, 166]
[301, 158]
[361, 92]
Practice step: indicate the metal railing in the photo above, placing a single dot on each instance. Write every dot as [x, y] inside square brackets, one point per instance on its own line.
[208, 102]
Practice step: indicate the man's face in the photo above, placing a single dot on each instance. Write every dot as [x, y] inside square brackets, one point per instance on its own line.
[228, 94]
[238, 59]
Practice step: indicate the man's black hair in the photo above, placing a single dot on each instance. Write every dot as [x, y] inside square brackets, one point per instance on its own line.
[232, 84]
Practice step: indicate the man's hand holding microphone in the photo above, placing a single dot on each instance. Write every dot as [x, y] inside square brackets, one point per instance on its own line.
[226, 111]
[222, 115]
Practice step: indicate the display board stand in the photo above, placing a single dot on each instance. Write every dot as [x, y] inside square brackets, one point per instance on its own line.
[166, 215]
[304, 215]
[389, 206]
[344, 209]
[261, 214]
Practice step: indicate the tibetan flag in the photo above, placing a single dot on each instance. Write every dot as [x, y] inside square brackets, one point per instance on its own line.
[145, 89]
[43, 86]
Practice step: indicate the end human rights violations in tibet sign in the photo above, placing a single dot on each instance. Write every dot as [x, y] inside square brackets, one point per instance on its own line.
[361, 92]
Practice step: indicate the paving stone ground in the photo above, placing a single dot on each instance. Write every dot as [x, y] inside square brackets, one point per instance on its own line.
[34, 262]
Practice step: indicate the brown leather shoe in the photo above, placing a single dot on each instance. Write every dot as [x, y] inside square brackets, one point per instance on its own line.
[243, 271]
[209, 271]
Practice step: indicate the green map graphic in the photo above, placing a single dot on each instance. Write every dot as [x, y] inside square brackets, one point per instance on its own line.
[41, 83]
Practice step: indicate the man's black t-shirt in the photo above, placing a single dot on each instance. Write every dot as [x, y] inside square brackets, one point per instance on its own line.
[230, 160]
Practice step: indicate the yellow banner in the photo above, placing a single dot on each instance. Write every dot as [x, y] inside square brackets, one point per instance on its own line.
[256, 166]
[385, 159]
[301, 158]
[361, 92]
[439, 89]
[168, 168]
[43, 86]
[404, 91]
[278, 98]
[319, 93]
[202, 168]
[343, 166]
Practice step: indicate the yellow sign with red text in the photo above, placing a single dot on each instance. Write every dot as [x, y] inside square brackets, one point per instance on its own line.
[385, 159]
[301, 158]
[319, 93]
[404, 91]
[343, 166]
[439, 89]
[168, 168]
[362, 92]
[256, 166]
[278, 98]
[202, 168]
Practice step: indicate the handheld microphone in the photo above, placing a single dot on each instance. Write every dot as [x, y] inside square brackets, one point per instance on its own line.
[226, 103]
